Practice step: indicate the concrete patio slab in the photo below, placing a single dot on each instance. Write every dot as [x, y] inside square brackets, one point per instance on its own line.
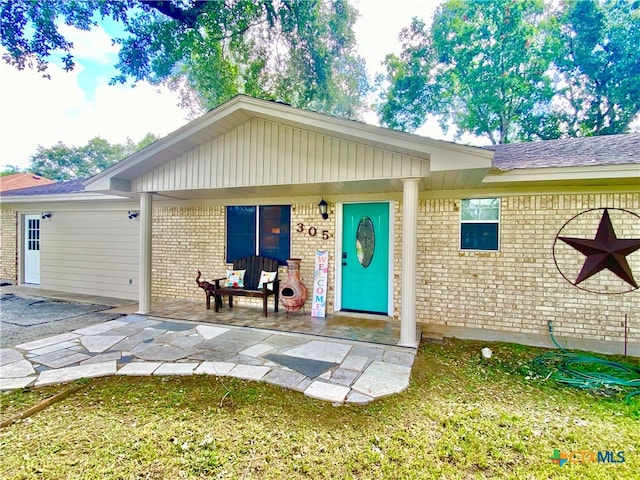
[358, 398]
[208, 332]
[163, 353]
[399, 358]
[16, 383]
[69, 374]
[53, 348]
[381, 379]
[9, 355]
[44, 342]
[355, 362]
[214, 368]
[343, 376]
[176, 369]
[327, 391]
[257, 350]
[102, 357]
[249, 372]
[284, 378]
[139, 369]
[321, 350]
[21, 368]
[100, 343]
[99, 328]
[60, 358]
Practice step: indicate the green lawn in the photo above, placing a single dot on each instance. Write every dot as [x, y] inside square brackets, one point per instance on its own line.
[461, 417]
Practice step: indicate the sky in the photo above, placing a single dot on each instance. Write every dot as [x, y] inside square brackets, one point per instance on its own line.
[76, 106]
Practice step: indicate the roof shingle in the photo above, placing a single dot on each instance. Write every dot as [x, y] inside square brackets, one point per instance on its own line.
[17, 181]
[620, 149]
[71, 186]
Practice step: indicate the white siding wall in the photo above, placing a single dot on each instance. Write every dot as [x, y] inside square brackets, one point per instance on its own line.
[95, 253]
[260, 152]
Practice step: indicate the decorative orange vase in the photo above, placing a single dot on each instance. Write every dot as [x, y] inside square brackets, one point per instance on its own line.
[293, 293]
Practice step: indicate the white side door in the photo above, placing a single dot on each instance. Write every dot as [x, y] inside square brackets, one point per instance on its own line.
[32, 249]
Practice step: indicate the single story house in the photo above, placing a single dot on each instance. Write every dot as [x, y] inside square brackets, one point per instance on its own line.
[461, 241]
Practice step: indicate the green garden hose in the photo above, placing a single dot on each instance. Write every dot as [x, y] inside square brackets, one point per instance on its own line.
[585, 371]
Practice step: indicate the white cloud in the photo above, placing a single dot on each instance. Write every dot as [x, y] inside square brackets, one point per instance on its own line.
[37, 111]
[92, 44]
[380, 23]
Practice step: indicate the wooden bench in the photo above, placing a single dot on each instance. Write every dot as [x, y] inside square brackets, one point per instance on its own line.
[254, 265]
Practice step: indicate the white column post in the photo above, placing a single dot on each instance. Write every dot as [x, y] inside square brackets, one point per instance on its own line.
[146, 214]
[409, 260]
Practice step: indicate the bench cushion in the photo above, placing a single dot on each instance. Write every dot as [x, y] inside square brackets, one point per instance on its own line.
[254, 265]
[267, 277]
[235, 278]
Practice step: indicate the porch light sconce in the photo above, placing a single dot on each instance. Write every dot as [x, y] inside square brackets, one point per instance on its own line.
[45, 215]
[322, 206]
[133, 214]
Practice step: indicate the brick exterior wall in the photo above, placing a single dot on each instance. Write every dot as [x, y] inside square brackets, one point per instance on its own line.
[8, 245]
[515, 290]
[307, 227]
[519, 288]
[186, 239]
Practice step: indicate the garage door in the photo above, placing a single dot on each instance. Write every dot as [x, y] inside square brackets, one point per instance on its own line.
[95, 253]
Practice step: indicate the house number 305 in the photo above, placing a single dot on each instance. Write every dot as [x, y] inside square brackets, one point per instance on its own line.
[313, 231]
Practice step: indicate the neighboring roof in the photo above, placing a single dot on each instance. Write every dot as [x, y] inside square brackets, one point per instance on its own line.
[71, 186]
[18, 181]
[621, 149]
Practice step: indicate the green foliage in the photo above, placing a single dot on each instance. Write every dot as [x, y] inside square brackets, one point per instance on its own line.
[300, 52]
[9, 170]
[600, 65]
[518, 70]
[29, 29]
[481, 67]
[61, 163]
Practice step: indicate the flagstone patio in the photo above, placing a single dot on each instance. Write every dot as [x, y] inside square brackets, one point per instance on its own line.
[342, 359]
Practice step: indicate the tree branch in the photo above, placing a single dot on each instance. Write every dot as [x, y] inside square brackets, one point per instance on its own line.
[189, 16]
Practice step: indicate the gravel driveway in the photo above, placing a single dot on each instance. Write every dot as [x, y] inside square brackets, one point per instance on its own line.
[27, 318]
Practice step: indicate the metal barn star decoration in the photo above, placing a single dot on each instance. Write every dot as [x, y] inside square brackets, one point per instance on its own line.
[605, 251]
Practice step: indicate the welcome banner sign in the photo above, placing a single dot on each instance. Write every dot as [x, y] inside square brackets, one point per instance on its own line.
[319, 302]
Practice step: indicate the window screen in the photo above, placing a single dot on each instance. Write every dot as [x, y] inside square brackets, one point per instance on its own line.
[479, 224]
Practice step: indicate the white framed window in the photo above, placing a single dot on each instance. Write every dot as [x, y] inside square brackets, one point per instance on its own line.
[480, 224]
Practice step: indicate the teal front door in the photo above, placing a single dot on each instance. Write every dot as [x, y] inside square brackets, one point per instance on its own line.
[365, 257]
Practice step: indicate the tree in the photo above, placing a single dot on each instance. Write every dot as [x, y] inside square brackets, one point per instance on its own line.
[599, 65]
[9, 170]
[519, 69]
[61, 163]
[297, 51]
[481, 67]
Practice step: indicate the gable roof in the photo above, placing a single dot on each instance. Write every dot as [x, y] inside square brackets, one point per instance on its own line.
[241, 111]
[573, 161]
[620, 149]
[18, 181]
